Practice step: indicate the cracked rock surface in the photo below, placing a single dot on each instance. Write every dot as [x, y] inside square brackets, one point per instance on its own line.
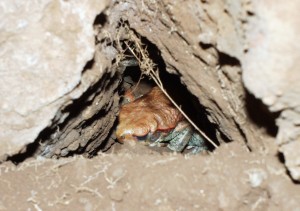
[271, 71]
[44, 48]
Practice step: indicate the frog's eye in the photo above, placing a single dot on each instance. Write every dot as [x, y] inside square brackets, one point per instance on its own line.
[122, 137]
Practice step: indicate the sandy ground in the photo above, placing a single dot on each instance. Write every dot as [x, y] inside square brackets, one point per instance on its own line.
[136, 178]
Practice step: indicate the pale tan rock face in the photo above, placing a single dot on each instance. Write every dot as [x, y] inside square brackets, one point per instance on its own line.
[271, 70]
[44, 48]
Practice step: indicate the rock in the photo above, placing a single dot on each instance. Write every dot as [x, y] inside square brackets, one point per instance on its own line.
[116, 194]
[44, 48]
[292, 160]
[256, 177]
[271, 70]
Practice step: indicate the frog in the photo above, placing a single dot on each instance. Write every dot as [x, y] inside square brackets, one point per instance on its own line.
[154, 119]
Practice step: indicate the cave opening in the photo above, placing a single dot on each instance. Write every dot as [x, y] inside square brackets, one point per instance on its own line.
[134, 78]
[72, 133]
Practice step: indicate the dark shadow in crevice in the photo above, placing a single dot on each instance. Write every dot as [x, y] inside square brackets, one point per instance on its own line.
[205, 46]
[100, 20]
[88, 66]
[26, 153]
[241, 131]
[260, 115]
[224, 138]
[281, 159]
[106, 144]
[225, 59]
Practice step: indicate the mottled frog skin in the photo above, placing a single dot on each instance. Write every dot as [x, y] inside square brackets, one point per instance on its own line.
[154, 119]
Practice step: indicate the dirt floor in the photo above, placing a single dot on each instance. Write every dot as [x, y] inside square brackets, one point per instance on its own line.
[134, 177]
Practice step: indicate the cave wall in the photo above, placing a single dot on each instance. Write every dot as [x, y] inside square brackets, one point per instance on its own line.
[201, 42]
[271, 71]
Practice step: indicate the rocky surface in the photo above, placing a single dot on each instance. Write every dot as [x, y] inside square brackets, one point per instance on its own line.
[45, 46]
[271, 71]
[84, 125]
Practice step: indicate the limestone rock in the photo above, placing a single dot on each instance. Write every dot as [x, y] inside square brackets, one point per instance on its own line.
[44, 48]
[292, 160]
[271, 70]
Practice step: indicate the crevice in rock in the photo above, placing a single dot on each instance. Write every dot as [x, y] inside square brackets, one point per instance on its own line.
[87, 124]
[27, 152]
[205, 46]
[260, 115]
[241, 131]
[175, 88]
[100, 20]
[225, 59]
[282, 160]
[255, 110]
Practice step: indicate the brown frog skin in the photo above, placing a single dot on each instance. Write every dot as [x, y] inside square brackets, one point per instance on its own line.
[154, 119]
[146, 115]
